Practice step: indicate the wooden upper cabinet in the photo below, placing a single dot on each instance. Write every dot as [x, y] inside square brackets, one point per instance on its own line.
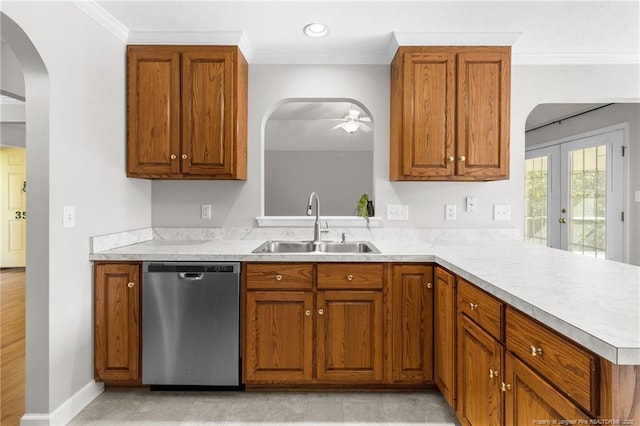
[450, 113]
[187, 112]
[117, 323]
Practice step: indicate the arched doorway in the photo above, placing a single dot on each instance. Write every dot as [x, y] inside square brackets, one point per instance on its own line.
[37, 271]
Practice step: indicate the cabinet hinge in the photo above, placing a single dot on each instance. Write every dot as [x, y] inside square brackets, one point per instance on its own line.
[622, 216]
[624, 149]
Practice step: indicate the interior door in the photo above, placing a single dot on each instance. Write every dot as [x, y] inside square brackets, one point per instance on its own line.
[579, 185]
[13, 212]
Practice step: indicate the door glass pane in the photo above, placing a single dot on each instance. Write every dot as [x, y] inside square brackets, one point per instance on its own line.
[536, 200]
[587, 206]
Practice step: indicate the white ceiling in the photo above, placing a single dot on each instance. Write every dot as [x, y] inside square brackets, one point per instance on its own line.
[545, 114]
[567, 31]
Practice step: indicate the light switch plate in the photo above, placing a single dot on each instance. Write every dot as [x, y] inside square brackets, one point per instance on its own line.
[397, 212]
[205, 211]
[472, 204]
[637, 196]
[501, 212]
[68, 216]
[450, 212]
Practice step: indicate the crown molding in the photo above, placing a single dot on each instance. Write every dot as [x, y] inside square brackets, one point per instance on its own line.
[104, 18]
[236, 38]
[449, 39]
[587, 58]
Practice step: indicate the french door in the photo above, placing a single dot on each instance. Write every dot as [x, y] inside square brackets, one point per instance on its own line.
[574, 195]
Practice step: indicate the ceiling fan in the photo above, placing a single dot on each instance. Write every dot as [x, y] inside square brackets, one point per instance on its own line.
[351, 122]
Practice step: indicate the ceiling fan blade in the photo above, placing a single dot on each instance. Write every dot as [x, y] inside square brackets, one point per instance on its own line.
[367, 119]
[336, 127]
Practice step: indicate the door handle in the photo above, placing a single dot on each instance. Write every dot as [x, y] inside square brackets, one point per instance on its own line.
[563, 220]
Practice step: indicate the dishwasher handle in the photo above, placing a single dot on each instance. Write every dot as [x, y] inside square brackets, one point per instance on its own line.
[191, 276]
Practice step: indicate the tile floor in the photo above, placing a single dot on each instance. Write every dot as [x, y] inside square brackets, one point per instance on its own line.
[135, 407]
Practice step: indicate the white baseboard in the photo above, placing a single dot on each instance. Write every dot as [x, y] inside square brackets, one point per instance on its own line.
[68, 410]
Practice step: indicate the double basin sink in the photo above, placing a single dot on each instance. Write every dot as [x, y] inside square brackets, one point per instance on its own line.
[317, 247]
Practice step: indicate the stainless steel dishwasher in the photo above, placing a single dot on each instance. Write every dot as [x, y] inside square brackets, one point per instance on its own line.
[191, 323]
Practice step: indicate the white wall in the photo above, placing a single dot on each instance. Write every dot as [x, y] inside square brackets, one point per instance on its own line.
[604, 117]
[11, 83]
[238, 203]
[11, 77]
[76, 148]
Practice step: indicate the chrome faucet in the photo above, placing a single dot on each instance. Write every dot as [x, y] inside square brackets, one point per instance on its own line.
[316, 225]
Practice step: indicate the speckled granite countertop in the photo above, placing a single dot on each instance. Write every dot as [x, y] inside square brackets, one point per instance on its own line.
[593, 302]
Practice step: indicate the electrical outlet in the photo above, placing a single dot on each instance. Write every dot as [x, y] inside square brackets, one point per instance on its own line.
[205, 211]
[501, 212]
[450, 212]
[472, 204]
[68, 216]
[397, 212]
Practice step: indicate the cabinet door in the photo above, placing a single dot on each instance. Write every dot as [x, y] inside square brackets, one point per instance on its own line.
[445, 333]
[279, 337]
[483, 112]
[424, 147]
[208, 112]
[480, 370]
[153, 111]
[349, 336]
[412, 323]
[117, 322]
[530, 399]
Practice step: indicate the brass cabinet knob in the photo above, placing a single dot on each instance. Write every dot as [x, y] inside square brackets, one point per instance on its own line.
[493, 373]
[429, 285]
[131, 284]
[535, 351]
[173, 156]
[320, 311]
[308, 312]
[279, 277]
[350, 277]
[504, 387]
[184, 156]
[473, 306]
[462, 158]
[451, 159]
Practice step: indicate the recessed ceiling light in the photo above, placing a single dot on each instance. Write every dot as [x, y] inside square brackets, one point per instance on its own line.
[315, 30]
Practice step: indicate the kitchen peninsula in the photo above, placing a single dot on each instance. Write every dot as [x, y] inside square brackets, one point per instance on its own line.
[576, 313]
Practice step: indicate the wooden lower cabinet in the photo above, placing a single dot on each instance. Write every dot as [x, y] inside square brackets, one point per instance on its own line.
[117, 349]
[444, 330]
[529, 399]
[349, 336]
[479, 398]
[412, 324]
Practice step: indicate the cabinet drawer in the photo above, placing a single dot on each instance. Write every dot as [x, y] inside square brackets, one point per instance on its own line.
[568, 366]
[484, 309]
[350, 275]
[279, 276]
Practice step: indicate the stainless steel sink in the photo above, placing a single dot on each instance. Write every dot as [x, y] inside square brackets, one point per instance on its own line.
[285, 247]
[320, 247]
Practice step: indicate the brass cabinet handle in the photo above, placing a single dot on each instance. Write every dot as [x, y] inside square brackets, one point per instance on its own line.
[279, 277]
[308, 312]
[451, 159]
[504, 387]
[131, 284]
[473, 306]
[173, 156]
[320, 311]
[535, 351]
[184, 156]
[462, 158]
[429, 285]
[493, 373]
[350, 277]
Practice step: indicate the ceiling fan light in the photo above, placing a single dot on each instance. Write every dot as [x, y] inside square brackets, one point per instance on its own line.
[316, 30]
[350, 126]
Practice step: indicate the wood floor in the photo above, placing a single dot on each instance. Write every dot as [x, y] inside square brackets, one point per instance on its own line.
[12, 351]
